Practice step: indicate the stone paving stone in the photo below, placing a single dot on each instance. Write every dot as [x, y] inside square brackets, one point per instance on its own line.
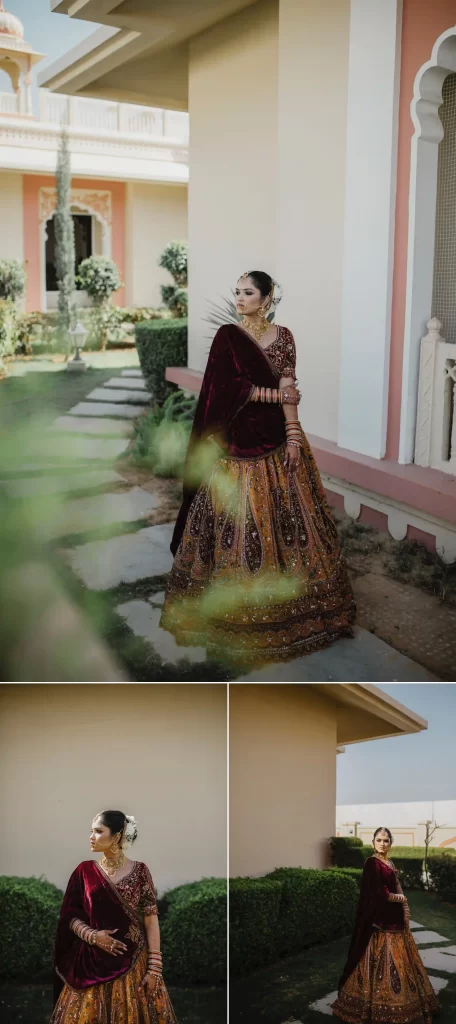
[106, 563]
[365, 659]
[414, 924]
[119, 395]
[51, 446]
[144, 621]
[157, 599]
[35, 485]
[323, 1005]
[92, 425]
[107, 409]
[131, 383]
[438, 983]
[425, 937]
[102, 510]
[132, 373]
[440, 959]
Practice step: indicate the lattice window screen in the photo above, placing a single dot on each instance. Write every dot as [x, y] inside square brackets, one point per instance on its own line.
[444, 292]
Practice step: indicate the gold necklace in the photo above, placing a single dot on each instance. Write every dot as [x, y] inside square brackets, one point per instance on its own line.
[113, 864]
[255, 329]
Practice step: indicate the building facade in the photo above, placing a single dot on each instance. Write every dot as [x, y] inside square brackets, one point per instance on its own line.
[408, 822]
[321, 150]
[129, 186]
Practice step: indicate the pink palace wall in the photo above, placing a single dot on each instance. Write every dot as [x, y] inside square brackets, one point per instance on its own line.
[32, 236]
[422, 23]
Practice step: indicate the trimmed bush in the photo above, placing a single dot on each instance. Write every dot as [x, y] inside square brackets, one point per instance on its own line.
[315, 906]
[254, 920]
[347, 852]
[8, 328]
[161, 343]
[29, 911]
[174, 258]
[355, 873]
[194, 932]
[99, 277]
[442, 871]
[12, 279]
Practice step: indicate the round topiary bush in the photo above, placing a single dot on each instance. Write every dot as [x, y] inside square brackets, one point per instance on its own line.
[29, 911]
[99, 277]
[194, 932]
[12, 279]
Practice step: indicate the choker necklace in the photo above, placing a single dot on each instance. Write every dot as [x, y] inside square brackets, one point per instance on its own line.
[255, 329]
[111, 865]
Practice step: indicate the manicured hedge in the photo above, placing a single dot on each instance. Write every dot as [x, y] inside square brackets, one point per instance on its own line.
[355, 873]
[347, 852]
[194, 932]
[29, 911]
[161, 343]
[287, 911]
[254, 920]
[442, 872]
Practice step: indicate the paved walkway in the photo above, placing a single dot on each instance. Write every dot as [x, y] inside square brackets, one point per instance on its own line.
[439, 955]
[85, 491]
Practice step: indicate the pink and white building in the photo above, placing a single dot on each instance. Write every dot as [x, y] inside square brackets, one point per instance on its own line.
[322, 149]
[129, 184]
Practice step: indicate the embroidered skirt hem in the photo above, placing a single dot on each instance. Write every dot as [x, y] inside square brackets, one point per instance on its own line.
[121, 1001]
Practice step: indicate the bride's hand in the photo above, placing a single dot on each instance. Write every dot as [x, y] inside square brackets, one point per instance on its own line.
[105, 941]
[149, 984]
[291, 459]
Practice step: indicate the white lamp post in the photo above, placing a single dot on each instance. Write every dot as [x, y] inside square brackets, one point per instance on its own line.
[79, 335]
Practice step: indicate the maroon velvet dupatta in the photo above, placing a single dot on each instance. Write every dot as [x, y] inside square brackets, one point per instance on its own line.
[92, 897]
[244, 429]
[374, 911]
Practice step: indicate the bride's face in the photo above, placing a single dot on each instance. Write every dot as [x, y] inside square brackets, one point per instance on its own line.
[248, 297]
[382, 843]
[101, 838]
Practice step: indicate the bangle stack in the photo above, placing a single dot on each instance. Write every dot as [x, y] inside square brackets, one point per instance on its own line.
[293, 432]
[155, 963]
[84, 932]
[274, 395]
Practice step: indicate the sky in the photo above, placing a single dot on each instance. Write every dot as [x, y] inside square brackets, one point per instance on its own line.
[405, 768]
[52, 34]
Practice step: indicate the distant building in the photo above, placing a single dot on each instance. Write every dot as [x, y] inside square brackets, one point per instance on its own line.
[407, 821]
[129, 186]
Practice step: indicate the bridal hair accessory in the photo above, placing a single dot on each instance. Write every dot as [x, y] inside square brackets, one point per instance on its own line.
[130, 829]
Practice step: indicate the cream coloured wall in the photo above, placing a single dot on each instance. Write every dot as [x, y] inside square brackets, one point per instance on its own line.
[155, 215]
[282, 743]
[233, 159]
[313, 82]
[155, 751]
[11, 216]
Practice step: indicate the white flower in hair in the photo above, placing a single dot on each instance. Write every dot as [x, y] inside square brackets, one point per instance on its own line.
[276, 293]
[131, 828]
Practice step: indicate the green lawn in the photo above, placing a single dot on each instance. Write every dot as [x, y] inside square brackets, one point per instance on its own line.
[283, 991]
[32, 1004]
[47, 393]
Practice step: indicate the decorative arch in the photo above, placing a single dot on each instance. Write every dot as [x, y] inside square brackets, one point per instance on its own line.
[96, 202]
[427, 99]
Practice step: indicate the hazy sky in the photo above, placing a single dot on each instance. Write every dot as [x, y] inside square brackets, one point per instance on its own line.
[52, 34]
[417, 767]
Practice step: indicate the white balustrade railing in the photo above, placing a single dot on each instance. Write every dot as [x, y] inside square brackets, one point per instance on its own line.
[9, 103]
[435, 442]
[102, 115]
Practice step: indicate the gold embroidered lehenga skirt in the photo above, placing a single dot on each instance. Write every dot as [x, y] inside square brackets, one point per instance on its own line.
[258, 575]
[115, 1002]
[389, 985]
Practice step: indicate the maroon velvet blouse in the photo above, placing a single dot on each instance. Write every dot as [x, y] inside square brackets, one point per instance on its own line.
[374, 910]
[225, 412]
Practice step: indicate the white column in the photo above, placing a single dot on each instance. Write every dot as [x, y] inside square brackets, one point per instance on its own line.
[373, 91]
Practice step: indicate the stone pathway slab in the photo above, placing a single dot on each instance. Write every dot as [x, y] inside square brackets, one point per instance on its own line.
[102, 510]
[424, 938]
[125, 559]
[438, 983]
[92, 425]
[413, 925]
[440, 959]
[132, 383]
[323, 1005]
[144, 621]
[132, 373]
[119, 395]
[36, 485]
[365, 659]
[107, 409]
[70, 447]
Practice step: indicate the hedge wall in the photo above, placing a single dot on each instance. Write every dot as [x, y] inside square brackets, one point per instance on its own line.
[161, 343]
[285, 912]
[29, 911]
